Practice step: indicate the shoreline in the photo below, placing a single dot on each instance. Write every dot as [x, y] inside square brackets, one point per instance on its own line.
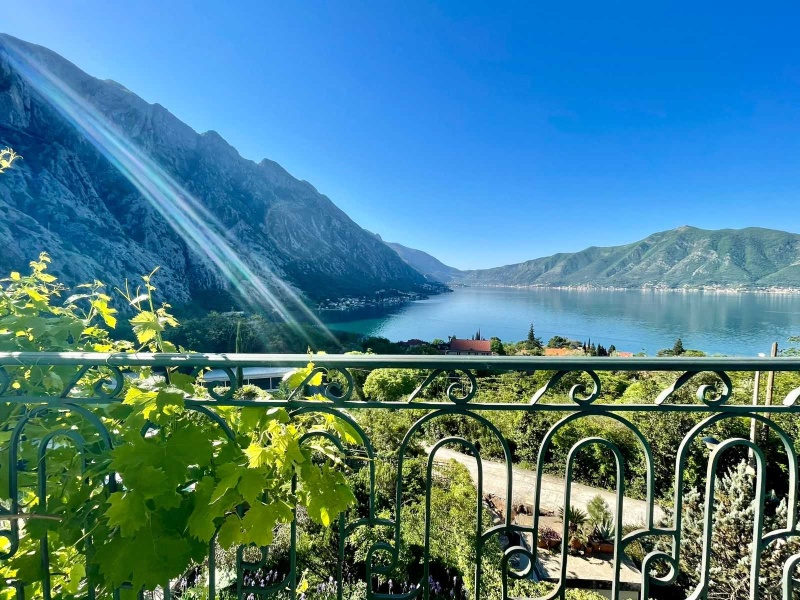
[380, 298]
[775, 291]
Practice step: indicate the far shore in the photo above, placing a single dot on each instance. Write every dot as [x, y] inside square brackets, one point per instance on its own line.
[597, 288]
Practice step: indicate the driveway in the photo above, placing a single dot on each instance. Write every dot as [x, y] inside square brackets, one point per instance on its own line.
[494, 482]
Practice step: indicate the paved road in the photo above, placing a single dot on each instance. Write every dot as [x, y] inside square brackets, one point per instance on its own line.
[494, 482]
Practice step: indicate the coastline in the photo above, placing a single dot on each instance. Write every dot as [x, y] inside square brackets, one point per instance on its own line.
[381, 298]
[772, 290]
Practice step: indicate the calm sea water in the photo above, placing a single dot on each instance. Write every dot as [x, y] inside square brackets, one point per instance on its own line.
[634, 320]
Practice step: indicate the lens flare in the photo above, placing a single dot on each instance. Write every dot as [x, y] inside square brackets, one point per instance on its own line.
[179, 208]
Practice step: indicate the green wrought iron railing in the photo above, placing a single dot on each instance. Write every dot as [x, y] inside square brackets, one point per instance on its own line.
[572, 389]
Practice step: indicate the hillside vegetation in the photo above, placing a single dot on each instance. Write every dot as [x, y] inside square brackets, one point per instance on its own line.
[684, 257]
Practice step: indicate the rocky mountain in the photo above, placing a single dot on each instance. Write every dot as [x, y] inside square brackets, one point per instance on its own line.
[432, 268]
[749, 258]
[80, 195]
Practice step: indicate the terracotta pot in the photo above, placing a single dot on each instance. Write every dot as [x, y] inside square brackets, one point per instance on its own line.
[548, 544]
[605, 548]
[575, 543]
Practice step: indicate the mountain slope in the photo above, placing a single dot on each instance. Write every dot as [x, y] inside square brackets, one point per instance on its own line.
[431, 267]
[684, 257]
[68, 198]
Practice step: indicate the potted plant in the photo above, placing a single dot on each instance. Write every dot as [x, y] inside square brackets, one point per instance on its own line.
[549, 538]
[575, 544]
[575, 516]
[602, 538]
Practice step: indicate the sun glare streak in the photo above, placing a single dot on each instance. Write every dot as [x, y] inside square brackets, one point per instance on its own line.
[184, 213]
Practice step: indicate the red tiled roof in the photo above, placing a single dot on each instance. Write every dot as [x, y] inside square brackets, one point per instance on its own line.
[559, 351]
[470, 346]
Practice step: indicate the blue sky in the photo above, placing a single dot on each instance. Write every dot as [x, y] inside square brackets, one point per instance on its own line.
[483, 134]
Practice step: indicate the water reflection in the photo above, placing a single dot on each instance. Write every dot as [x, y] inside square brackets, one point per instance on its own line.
[634, 320]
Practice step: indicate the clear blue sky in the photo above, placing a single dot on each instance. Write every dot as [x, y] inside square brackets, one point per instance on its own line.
[483, 134]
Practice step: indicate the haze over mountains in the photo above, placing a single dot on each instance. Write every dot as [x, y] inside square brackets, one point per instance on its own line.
[70, 199]
[751, 258]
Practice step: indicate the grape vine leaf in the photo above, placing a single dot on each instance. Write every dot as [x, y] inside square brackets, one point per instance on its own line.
[127, 511]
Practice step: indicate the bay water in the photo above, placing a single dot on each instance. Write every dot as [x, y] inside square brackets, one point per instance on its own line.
[740, 324]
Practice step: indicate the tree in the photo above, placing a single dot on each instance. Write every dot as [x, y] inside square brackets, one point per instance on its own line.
[732, 521]
[678, 349]
[532, 342]
[388, 385]
[497, 346]
[599, 512]
[612, 349]
[558, 341]
[794, 350]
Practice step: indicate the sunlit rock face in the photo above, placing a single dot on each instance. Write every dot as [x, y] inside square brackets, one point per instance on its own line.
[65, 197]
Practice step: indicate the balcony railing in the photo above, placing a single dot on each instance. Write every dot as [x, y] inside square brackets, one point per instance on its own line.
[456, 387]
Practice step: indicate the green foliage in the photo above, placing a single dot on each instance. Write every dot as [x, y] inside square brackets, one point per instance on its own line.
[792, 350]
[234, 331]
[172, 478]
[532, 342]
[750, 257]
[734, 512]
[558, 341]
[599, 511]
[575, 516]
[389, 385]
[497, 346]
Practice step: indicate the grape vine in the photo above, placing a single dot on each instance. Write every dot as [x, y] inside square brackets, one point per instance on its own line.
[136, 502]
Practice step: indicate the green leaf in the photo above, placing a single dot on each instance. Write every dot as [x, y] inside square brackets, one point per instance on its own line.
[249, 418]
[279, 413]
[143, 400]
[146, 326]
[189, 445]
[294, 378]
[257, 455]
[325, 492]
[252, 484]
[181, 381]
[345, 430]
[170, 399]
[75, 575]
[226, 483]
[147, 559]
[152, 483]
[201, 522]
[105, 311]
[127, 511]
[261, 519]
[231, 532]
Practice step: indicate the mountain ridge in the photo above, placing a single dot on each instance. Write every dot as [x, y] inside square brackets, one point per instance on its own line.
[431, 267]
[66, 197]
[685, 257]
